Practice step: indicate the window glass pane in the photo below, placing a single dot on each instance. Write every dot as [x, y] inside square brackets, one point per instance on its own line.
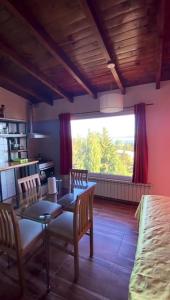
[104, 145]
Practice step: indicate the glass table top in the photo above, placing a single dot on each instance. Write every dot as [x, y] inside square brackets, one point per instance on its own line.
[39, 204]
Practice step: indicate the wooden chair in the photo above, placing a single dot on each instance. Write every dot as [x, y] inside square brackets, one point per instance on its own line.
[71, 226]
[27, 183]
[30, 195]
[18, 238]
[77, 177]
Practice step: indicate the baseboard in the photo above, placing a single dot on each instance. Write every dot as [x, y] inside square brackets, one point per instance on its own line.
[116, 200]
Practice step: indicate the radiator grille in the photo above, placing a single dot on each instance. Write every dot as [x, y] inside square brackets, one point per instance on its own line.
[120, 190]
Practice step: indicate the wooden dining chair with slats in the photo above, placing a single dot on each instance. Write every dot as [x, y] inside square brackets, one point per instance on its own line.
[71, 226]
[78, 179]
[30, 195]
[77, 176]
[27, 183]
[18, 238]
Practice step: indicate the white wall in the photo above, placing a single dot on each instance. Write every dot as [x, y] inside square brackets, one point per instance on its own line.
[15, 106]
[145, 93]
[158, 125]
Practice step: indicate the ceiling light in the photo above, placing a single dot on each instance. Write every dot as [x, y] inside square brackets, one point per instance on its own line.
[111, 102]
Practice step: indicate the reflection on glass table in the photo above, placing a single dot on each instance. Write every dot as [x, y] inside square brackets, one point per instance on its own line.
[37, 202]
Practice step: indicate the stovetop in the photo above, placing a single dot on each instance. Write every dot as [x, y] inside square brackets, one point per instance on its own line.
[44, 164]
[42, 161]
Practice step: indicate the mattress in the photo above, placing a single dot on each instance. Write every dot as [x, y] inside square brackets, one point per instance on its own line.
[150, 278]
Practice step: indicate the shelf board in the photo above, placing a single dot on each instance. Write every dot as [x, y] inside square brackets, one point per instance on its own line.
[12, 120]
[10, 135]
[24, 150]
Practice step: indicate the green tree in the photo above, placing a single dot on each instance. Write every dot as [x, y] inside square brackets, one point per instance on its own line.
[79, 145]
[100, 154]
[109, 156]
[93, 152]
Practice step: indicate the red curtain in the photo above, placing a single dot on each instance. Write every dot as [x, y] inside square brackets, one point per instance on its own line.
[140, 168]
[65, 144]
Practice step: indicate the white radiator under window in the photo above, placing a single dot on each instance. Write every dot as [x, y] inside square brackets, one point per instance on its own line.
[120, 190]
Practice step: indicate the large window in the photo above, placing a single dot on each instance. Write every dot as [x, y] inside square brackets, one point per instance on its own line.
[104, 145]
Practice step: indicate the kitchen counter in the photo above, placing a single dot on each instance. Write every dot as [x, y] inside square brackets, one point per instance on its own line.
[14, 165]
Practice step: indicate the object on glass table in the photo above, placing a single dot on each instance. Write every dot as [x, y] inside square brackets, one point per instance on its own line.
[52, 188]
[45, 218]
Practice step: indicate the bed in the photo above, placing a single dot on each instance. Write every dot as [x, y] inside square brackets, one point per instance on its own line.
[150, 278]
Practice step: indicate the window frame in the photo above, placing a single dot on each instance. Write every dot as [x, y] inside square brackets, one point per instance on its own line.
[93, 115]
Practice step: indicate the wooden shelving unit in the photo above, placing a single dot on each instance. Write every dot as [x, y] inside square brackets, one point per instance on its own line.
[15, 133]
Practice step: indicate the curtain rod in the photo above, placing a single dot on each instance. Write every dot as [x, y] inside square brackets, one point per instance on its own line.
[97, 111]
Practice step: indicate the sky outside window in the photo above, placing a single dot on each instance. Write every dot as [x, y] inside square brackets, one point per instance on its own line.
[118, 127]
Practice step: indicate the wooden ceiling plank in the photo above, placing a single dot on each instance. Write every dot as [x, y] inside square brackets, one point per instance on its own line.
[49, 44]
[20, 87]
[8, 51]
[159, 58]
[90, 11]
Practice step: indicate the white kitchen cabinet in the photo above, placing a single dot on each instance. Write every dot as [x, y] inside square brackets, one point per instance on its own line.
[8, 184]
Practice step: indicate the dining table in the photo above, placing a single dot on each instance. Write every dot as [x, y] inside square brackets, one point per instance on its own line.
[65, 198]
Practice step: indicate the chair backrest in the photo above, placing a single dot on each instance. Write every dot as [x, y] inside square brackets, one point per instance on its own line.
[9, 229]
[83, 213]
[28, 183]
[78, 176]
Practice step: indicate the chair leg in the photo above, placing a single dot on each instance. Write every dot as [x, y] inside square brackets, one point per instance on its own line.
[21, 275]
[47, 258]
[91, 241]
[8, 260]
[76, 262]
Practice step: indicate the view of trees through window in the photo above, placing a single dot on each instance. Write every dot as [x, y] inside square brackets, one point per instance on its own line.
[104, 145]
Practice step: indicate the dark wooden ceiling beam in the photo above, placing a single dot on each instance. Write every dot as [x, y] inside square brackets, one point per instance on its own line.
[8, 51]
[93, 15]
[49, 44]
[20, 87]
[159, 54]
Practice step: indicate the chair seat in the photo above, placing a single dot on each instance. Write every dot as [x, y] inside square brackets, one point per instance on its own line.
[68, 201]
[40, 208]
[63, 226]
[29, 231]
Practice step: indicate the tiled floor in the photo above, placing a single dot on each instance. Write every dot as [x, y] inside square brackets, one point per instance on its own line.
[105, 277]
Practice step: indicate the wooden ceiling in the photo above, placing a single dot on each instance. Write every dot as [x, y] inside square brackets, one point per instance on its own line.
[51, 49]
